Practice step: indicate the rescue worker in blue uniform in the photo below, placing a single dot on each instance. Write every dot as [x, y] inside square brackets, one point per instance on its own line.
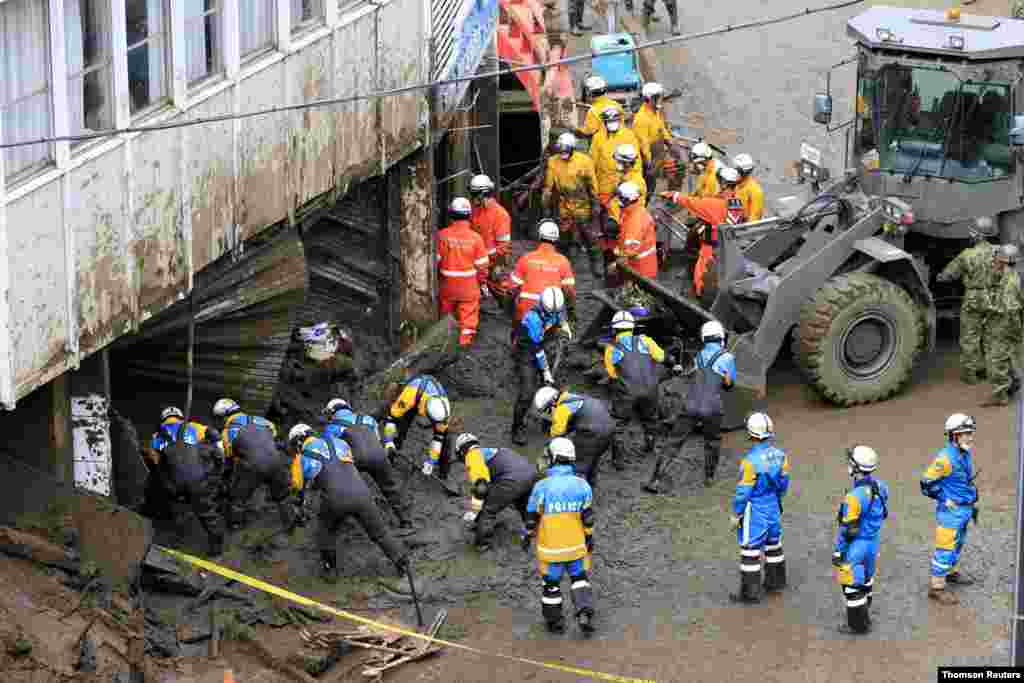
[950, 481]
[714, 372]
[361, 433]
[633, 361]
[530, 361]
[422, 396]
[586, 419]
[560, 514]
[253, 458]
[326, 463]
[498, 478]
[181, 469]
[757, 511]
[861, 515]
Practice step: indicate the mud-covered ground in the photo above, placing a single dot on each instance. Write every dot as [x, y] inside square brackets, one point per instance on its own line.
[664, 565]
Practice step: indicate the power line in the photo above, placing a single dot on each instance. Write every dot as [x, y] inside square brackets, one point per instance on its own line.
[328, 102]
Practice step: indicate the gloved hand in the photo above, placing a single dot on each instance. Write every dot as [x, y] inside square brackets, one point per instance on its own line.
[485, 292]
[566, 329]
[735, 521]
[470, 516]
[837, 559]
[428, 468]
[590, 544]
[950, 505]
[549, 379]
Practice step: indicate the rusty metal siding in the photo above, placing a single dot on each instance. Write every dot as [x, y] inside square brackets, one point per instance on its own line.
[263, 153]
[357, 149]
[311, 145]
[211, 177]
[349, 263]
[245, 311]
[400, 64]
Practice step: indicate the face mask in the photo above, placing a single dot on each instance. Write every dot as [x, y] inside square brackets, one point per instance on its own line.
[613, 126]
[566, 155]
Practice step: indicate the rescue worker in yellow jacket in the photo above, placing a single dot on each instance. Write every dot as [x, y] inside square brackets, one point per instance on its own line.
[748, 190]
[571, 182]
[425, 397]
[603, 149]
[597, 88]
[707, 167]
[626, 158]
[560, 515]
[650, 128]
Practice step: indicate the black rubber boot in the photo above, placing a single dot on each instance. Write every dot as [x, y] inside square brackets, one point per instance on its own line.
[774, 568]
[858, 622]
[750, 577]
[585, 620]
[551, 607]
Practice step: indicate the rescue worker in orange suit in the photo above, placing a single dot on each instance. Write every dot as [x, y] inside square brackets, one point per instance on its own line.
[424, 396]
[529, 357]
[326, 463]
[462, 264]
[596, 91]
[710, 212]
[560, 514]
[637, 246]
[178, 470]
[542, 268]
[650, 128]
[254, 457]
[498, 478]
[571, 181]
[748, 190]
[491, 221]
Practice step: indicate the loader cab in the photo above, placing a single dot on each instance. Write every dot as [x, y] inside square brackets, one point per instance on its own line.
[935, 106]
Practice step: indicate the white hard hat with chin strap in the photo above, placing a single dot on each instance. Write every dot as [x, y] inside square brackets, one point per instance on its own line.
[438, 409]
[298, 434]
[861, 460]
[547, 231]
[481, 185]
[460, 208]
[225, 407]
[712, 331]
[464, 443]
[744, 163]
[561, 451]
[544, 399]
[760, 427]
[623, 320]
[958, 423]
[700, 152]
[552, 300]
[171, 412]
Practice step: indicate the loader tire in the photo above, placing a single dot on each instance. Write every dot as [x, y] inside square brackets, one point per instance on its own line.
[858, 339]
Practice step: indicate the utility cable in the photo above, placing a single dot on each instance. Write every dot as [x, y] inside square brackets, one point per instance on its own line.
[392, 92]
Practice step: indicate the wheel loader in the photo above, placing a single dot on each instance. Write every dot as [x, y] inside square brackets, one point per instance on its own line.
[848, 279]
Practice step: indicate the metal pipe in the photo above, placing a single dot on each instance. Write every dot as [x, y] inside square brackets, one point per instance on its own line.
[1017, 630]
[190, 358]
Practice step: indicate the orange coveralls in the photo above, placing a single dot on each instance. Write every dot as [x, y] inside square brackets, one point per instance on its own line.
[462, 265]
[536, 271]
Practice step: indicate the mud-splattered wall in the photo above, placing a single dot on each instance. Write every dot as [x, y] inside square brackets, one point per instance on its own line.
[98, 245]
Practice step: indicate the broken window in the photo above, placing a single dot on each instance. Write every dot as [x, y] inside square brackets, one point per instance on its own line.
[203, 47]
[256, 22]
[90, 85]
[306, 13]
[147, 50]
[25, 85]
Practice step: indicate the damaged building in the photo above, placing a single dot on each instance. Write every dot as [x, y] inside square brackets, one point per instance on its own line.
[123, 252]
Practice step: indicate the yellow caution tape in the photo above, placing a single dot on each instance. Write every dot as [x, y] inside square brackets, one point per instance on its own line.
[301, 600]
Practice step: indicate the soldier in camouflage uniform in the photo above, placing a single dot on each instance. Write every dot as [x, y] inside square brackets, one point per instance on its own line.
[973, 267]
[1005, 327]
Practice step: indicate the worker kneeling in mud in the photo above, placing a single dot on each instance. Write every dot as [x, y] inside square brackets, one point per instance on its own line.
[715, 370]
[560, 514]
[633, 361]
[181, 469]
[326, 463]
[530, 361]
[254, 459]
[586, 419]
[861, 515]
[757, 511]
[361, 434]
[499, 478]
[421, 396]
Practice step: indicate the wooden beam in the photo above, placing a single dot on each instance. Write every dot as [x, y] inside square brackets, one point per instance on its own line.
[60, 430]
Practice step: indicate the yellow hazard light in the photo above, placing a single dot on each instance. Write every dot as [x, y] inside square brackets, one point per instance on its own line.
[953, 14]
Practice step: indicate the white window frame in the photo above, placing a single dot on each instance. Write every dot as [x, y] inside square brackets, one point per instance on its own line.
[300, 28]
[279, 32]
[82, 147]
[221, 73]
[121, 43]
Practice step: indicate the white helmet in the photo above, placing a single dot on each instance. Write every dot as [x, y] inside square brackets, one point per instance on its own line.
[171, 412]
[334, 405]
[652, 90]
[623, 320]
[711, 331]
[544, 399]
[744, 163]
[566, 142]
[463, 444]
[760, 427]
[481, 185]
[560, 450]
[728, 175]
[438, 409]
[460, 208]
[1008, 253]
[958, 423]
[225, 407]
[552, 300]
[700, 152]
[596, 85]
[628, 193]
[547, 231]
[298, 434]
[625, 154]
[862, 459]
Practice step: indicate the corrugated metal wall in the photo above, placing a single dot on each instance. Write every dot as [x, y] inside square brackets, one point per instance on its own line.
[349, 262]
